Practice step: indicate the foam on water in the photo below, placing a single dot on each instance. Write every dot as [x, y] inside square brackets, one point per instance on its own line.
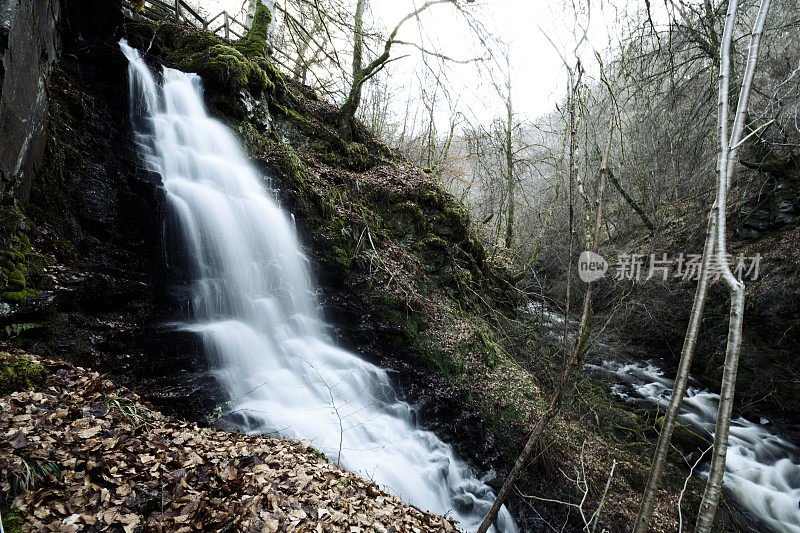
[253, 304]
[762, 470]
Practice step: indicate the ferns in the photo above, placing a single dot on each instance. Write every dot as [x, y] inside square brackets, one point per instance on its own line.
[136, 415]
[32, 473]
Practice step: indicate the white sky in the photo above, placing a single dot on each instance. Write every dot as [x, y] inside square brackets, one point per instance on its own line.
[539, 78]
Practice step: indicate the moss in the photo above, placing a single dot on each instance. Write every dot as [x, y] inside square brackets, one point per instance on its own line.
[226, 68]
[14, 257]
[17, 373]
[490, 351]
[12, 521]
[254, 42]
[291, 165]
[340, 256]
[17, 297]
[685, 438]
[769, 162]
[428, 353]
[392, 308]
[256, 142]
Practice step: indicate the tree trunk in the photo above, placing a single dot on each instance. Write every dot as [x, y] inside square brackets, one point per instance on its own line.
[573, 171]
[639, 211]
[348, 110]
[510, 169]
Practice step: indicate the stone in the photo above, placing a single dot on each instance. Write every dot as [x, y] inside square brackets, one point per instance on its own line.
[29, 46]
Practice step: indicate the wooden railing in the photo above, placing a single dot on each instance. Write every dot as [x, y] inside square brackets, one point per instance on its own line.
[179, 11]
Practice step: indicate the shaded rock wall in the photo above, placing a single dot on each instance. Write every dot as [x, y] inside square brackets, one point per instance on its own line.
[29, 45]
[85, 259]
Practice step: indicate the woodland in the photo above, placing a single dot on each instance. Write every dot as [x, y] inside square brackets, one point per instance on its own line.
[436, 265]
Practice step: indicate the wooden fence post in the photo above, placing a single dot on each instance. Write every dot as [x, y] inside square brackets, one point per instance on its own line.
[227, 26]
[177, 10]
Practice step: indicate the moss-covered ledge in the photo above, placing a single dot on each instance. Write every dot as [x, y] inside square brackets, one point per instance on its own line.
[18, 373]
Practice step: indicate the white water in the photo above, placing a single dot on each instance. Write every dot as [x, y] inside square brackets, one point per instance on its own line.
[255, 308]
[762, 470]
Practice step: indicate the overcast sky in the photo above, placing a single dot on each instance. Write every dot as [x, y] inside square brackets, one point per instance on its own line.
[539, 78]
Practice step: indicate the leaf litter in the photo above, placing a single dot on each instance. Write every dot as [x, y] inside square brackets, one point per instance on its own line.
[106, 462]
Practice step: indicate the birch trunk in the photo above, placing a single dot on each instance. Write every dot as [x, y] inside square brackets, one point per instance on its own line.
[727, 160]
[715, 249]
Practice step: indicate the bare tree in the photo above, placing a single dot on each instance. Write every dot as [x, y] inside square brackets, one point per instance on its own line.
[575, 355]
[361, 73]
[715, 249]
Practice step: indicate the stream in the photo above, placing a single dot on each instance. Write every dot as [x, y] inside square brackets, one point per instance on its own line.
[254, 306]
[762, 470]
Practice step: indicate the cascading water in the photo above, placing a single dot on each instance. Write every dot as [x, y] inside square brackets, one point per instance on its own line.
[254, 306]
[762, 470]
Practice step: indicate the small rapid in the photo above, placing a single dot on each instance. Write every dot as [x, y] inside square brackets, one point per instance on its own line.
[254, 306]
[762, 470]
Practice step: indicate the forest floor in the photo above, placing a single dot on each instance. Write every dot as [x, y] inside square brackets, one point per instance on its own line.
[83, 454]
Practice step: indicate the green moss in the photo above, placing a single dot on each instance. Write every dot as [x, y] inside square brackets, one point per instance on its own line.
[411, 214]
[16, 297]
[14, 257]
[428, 353]
[226, 67]
[392, 308]
[434, 243]
[685, 438]
[254, 42]
[340, 257]
[12, 521]
[291, 165]
[17, 373]
[769, 162]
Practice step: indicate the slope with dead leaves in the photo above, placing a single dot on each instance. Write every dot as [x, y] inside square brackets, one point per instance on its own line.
[116, 465]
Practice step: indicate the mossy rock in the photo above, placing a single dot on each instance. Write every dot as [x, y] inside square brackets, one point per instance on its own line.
[12, 521]
[254, 42]
[18, 373]
[226, 68]
[393, 309]
[14, 256]
[685, 438]
[407, 219]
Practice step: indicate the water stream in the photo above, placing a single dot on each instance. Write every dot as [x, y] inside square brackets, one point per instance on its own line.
[762, 469]
[254, 306]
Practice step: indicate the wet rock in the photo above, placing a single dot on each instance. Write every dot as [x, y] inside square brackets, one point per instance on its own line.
[29, 46]
[779, 210]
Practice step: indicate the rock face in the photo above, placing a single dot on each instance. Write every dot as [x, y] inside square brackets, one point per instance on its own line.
[780, 209]
[84, 275]
[29, 46]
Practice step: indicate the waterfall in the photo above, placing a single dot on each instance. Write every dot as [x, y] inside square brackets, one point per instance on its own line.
[254, 306]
